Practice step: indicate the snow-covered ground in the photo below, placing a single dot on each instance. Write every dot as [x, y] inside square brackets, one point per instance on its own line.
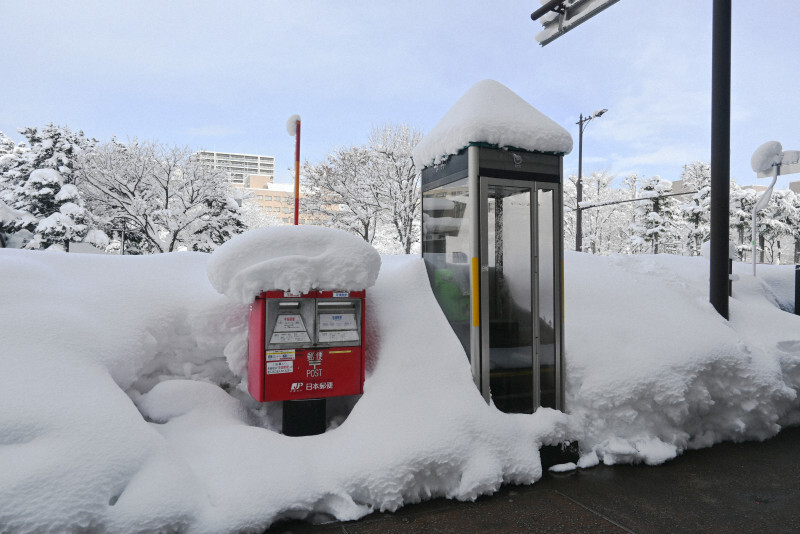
[123, 408]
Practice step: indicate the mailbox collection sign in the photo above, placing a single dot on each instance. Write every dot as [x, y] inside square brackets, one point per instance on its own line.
[306, 346]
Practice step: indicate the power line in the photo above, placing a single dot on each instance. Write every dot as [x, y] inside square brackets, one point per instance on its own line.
[612, 202]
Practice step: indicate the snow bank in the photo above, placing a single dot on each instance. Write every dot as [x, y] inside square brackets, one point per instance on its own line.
[292, 258]
[120, 413]
[491, 113]
[652, 368]
[199, 455]
[76, 332]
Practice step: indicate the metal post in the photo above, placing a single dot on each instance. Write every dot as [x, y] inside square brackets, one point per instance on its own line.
[720, 155]
[304, 417]
[797, 289]
[579, 191]
[730, 277]
[297, 175]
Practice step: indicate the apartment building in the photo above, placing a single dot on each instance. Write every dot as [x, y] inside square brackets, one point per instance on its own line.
[256, 174]
[241, 167]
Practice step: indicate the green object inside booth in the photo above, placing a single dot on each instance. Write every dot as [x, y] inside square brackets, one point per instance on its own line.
[453, 301]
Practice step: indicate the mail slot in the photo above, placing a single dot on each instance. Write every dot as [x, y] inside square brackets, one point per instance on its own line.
[306, 346]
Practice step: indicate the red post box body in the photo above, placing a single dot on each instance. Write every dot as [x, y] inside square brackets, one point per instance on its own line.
[306, 346]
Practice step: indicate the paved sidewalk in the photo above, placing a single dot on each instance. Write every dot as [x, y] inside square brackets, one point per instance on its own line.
[745, 487]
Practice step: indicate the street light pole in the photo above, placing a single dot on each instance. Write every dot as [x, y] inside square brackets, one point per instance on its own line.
[293, 129]
[582, 122]
[579, 190]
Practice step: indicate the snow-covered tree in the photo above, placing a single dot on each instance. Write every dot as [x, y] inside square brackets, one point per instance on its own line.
[696, 210]
[164, 197]
[15, 166]
[570, 203]
[606, 214]
[773, 224]
[742, 200]
[656, 222]
[7, 148]
[58, 214]
[38, 182]
[654, 225]
[254, 216]
[398, 180]
[794, 223]
[344, 190]
[371, 190]
[221, 221]
[57, 147]
[603, 217]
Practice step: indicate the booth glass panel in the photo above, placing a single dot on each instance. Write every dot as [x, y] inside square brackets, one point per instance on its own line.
[508, 335]
[446, 238]
[546, 283]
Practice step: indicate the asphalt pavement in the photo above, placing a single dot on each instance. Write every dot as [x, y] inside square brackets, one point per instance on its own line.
[730, 487]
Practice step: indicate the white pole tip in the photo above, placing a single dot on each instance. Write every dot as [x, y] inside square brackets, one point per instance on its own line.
[291, 125]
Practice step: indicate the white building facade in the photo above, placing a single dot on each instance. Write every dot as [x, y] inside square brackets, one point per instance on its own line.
[240, 167]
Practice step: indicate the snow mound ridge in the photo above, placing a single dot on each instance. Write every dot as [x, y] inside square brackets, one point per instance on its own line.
[292, 258]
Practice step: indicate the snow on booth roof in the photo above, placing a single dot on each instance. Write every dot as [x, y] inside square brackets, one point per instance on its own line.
[292, 258]
[491, 113]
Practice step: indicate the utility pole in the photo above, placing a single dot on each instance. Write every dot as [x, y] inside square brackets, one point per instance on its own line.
[582, 122]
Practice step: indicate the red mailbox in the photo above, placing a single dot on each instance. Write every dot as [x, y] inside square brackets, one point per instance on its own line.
[306, 346]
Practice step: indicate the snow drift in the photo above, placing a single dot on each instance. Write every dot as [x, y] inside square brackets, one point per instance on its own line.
[120, 411]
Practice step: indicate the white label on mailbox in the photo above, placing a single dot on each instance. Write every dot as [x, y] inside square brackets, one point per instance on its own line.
[289, 337]
[278, 355]
[290, 323]
[337, 321]
[342, 335]
[277, 368]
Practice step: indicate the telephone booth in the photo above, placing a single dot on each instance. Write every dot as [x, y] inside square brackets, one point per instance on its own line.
[493, 248]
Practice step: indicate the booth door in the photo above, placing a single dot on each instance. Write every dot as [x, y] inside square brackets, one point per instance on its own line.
[518, 289]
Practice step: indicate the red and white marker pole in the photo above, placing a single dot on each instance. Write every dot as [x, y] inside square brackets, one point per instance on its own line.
[293, 127]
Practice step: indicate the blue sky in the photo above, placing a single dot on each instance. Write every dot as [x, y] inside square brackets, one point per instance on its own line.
[227, 75]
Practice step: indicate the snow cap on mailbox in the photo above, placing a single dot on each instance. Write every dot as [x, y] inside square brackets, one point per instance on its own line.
[491, 113]
[292, 258]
